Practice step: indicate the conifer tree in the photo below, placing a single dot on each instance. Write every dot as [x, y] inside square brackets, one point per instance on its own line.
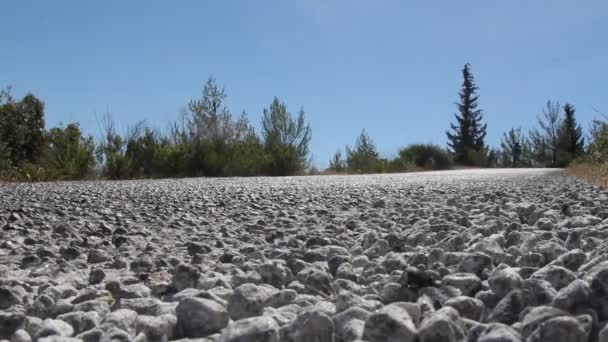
[571, 142]
[466, 138]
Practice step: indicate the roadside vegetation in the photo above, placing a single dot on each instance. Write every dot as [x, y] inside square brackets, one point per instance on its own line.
[210, 140]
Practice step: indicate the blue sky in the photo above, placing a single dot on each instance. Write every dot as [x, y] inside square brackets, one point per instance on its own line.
[389, 66]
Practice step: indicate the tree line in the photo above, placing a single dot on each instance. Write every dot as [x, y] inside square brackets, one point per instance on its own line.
[208, 140]
[556, 142]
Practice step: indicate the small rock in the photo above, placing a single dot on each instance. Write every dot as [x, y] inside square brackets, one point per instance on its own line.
[442, 325]
[390, 323]
[504, 281]
[467, 283]
[9, 323]
[198, 317]
[508, 309]
[248, 300]
[259, 329]
[96, 276]
[309, 325]
[575, 297]
[81, 321]
[9, 297]
[563, 329]
[468, 307]
[97, 256]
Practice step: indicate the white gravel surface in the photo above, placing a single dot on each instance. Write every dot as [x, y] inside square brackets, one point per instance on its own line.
[468, 255]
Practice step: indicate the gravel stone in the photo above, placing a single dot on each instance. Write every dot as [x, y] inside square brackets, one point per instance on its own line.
[467, 255]
[198, 317]
[390, 323]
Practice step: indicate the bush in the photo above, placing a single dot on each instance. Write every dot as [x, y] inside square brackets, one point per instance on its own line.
[425, 156]
[68, 154]
[364, 157]
[598, 148]
[286, 140]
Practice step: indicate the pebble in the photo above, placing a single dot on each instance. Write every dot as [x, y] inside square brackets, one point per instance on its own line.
[482, 255]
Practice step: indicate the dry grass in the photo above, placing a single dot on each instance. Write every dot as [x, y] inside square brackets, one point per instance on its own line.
[594, 173]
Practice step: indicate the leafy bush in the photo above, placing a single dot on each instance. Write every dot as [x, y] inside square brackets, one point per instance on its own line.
[68, 154]
[598, 148]
[425, 156]
[286, 140]
[364, 157]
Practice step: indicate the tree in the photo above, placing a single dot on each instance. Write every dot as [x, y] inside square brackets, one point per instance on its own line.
[545, 141]
[111, 150]
[21, 128]
[213, 131]
[425, 156]
[571, 143]
[467, 136]
[142, 149]
[286, 139]
[68, 154]
[336, 163]
[513, 145]
[364, 157]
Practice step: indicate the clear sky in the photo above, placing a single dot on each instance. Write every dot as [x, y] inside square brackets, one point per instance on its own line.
[389, 66]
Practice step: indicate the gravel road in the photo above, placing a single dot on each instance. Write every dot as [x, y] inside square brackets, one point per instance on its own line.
[469, 255]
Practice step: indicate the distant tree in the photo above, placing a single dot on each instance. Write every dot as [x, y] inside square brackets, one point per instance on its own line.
[364, 157]
[286, 139]
[467, 135]
[336, 163]
[21, 128]
[142, 148]
[545, 140]
[68, 153]
[247, 157]
[571, 143]
[425, 156]
[111, 150]
[493, 158]
[514, 147]
[212, 132]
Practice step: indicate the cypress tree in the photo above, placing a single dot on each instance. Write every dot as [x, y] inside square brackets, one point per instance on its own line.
[571, 142]
[466, 138]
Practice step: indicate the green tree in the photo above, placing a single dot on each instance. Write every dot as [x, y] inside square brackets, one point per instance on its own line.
[467, 135]
[286, 139]
[68, 153]
[425, 156]
[213, 131]
[545, 140]
[142, 149]
[111, 151]
[513, 144]
[336, 163]
[21, 128]
[364, 157]
[571, 143]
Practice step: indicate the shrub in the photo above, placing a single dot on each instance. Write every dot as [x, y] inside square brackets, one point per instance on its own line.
[425, 156]
[364, 157]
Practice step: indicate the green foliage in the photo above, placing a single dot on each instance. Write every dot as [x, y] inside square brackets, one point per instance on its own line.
[68, 154]
[570, 142]
[21, 128]
[336, 163]
[247, 157]
[516, 151]
[426, 156]
[545, 140]
[466, 138]
[286, 140]
[598, 147]
[209, 142]
[364, 157]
